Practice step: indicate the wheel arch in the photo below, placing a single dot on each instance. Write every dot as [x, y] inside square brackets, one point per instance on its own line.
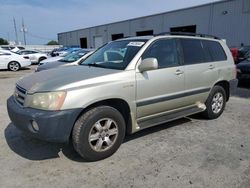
[225, 84]
[42, 58]
[119, 104]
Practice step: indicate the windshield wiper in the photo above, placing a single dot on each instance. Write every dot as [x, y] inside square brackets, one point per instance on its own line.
[95, 65]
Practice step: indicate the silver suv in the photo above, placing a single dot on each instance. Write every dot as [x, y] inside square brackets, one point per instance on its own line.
[124, 87]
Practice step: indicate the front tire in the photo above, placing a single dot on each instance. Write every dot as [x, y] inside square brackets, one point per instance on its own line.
[98, 133]
[14, 66]
[215, 103]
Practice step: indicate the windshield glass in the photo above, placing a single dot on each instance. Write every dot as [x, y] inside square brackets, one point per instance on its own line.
[72, 57]
[115, 55]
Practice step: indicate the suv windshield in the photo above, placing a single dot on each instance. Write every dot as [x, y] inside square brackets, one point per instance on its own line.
[115, 55]
[71, 57]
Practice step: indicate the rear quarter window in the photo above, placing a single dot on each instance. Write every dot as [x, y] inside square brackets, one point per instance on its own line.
[215, 49]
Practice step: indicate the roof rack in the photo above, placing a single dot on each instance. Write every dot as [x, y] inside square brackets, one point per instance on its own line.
[188, 34]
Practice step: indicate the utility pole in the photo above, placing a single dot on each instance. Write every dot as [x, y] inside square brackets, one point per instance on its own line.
[8, 34]
[24, 30]
[15, 30]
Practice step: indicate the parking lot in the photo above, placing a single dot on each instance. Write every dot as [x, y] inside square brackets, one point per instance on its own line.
[190, 152]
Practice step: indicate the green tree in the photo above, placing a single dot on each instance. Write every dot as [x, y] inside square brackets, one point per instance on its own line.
[3, 42]
[52, 42]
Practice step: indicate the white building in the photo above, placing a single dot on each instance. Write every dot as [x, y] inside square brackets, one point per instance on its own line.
[227, 19]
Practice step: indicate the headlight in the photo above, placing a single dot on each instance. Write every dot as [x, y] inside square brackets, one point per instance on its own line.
[46, 101]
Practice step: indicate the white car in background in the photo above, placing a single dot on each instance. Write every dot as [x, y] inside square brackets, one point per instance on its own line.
[12, 61]
[52, 59]
[62, 56]
[69, 60]
[35, 56]
[12, 48]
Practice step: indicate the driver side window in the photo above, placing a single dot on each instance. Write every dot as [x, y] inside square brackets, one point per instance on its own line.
[165, 51]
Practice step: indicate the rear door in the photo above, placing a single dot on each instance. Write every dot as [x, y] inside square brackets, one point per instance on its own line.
[200, 70]
[159, 90]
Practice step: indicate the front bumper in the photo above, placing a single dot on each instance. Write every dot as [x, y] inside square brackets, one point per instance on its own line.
[54, 126]
[243, 76]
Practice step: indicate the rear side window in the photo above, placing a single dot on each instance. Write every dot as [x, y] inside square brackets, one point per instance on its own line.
[193, 51]
[215, 50]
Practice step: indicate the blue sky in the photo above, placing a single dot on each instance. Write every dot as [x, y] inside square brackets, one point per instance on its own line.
[45, 18]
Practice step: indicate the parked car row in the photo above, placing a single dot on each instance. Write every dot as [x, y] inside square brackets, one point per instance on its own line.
[73, 58]
[240, 53]
[14, 60]
[243, 71]
[63, 50]
[35, 56]
[12, 48]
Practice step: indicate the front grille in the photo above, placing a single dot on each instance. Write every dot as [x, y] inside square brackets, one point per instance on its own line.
[245, 70]
[20, 95]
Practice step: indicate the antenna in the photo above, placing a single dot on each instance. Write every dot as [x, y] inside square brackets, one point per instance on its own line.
[24, 30]
[15, 30]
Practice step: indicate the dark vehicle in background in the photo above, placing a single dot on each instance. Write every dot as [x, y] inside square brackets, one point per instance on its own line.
[234, 52]
[243, 70]
[240, 53]
[243, 52]
[69, 60]
[54, 52]
[63, 50]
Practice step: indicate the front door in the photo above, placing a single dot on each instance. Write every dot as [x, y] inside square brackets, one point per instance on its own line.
[4, 60]
[160, 90]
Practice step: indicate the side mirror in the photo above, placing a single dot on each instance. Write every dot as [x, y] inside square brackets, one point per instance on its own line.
[148, 64]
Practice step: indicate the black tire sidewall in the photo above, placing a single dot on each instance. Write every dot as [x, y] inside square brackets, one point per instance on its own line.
[209, 112]
[86, 123]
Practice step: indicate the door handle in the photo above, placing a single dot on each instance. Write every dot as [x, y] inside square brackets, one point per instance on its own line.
[178, 72]
[211, 67]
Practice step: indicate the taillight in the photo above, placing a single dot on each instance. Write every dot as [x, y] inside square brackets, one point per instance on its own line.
[235, 71]
[26, 57]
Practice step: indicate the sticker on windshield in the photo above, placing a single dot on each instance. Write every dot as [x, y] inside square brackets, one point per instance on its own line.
[138, 44]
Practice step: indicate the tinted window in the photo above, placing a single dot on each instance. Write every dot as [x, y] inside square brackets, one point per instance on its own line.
[165, 51]
[215, 49]
[193, 51]
[5, 48]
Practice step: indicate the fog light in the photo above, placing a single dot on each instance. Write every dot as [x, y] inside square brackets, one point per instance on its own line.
[35, 126]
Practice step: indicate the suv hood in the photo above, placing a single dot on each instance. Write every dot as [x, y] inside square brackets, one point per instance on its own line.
[62, 78]
[50, 65]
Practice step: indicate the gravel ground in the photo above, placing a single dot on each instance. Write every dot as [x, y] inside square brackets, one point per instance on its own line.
[190, 152]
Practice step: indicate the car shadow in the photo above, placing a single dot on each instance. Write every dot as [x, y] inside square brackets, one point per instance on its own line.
[37, 150]
[22, 68]
[243, 90]
[244, 85]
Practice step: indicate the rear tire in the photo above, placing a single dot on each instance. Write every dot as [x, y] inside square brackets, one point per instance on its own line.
[98, 133]
[215, 103]
[14, 66]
